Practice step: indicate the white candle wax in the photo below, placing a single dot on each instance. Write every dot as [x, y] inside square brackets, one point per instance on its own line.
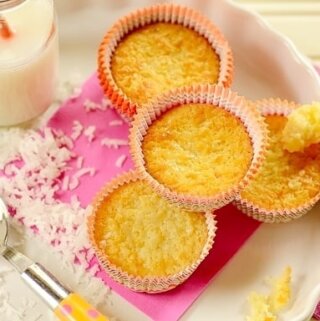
[28, 62]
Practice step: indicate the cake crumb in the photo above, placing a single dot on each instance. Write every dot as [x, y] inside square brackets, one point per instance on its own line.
[281, 290]
[267, 307]
[303, 128]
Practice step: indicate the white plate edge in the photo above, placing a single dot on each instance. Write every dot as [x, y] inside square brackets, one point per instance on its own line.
[292, 49]
[298, 57]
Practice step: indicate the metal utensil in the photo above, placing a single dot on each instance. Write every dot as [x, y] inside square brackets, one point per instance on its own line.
[66, 305]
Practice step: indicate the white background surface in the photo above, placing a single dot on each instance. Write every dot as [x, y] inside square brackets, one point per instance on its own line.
[298, 19]
[264, 67]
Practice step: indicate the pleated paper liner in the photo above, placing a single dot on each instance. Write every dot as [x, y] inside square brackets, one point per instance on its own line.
[168, 13]
[270, 107]
[204, 94]
[154, 284]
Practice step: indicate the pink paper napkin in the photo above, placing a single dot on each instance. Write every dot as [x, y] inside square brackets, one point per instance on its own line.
[234, 228]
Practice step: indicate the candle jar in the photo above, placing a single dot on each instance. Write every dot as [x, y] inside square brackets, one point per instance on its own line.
[28, 59]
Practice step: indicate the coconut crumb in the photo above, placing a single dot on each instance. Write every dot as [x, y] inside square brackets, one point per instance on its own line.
[65, 182]
[115, 123]
[114, 142]
[90, 133]
[105, 103]
[85, 171]
[70, 89]
[74, 183]
[80, 161]
[77, 129]
[121, 160]
[91, 106]
[9, 170]
[75, 180]
[9, 151]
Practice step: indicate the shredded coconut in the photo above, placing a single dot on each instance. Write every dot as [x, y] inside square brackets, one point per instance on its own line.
[32, 165]
[105, 103]
[114, 142]
[120, 161]
[114, 123]
[91, 106]
[74, 183]
[9, 170]
[65, 182]
[70, 89]
[31, 194]
[77, 129]
[90, 133]
[80, 160]
[75, 180]
[85, 171]
[9, 151]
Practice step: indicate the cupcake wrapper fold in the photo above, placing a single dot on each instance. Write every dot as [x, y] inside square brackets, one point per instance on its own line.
[169, 13]
[268, 107]
[154, 284]
[200, 94]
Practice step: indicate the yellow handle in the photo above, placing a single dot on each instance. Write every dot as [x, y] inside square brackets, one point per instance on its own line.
[75, 308]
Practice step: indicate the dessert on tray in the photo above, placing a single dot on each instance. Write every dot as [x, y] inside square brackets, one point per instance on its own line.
[143, 241]
[288, 184]
[160, 48]
[196, 146]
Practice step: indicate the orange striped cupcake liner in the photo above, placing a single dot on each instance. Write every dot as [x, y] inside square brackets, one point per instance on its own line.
[204, 94]
[268, 107]
[152, 284]
[169, 13]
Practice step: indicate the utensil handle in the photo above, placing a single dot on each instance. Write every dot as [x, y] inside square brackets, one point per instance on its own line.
[75, 308]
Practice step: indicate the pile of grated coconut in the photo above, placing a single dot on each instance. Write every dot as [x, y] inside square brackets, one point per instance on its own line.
[33, 168]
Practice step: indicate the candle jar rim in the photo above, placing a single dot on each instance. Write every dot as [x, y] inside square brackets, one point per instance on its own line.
[8, 4]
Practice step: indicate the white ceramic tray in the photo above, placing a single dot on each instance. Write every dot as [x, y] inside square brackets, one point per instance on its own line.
[267, 65]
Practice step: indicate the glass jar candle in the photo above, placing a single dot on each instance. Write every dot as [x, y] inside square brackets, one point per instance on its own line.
[28, 59]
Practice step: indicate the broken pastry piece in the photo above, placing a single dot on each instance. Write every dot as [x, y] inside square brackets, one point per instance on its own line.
[303, 128]
[267, 307]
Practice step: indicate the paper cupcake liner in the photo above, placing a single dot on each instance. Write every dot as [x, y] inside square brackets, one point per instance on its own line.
[274, 106]
[208, 94]
[143, 284]
[159, 13]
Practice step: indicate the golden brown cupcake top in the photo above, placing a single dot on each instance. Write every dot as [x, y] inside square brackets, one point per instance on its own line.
[145, 235]
[197, 149]
[162, 56]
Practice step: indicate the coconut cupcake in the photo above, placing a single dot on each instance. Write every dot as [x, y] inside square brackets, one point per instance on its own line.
[158, 49]
[143, 241]
[198, 146]
[288, 184]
